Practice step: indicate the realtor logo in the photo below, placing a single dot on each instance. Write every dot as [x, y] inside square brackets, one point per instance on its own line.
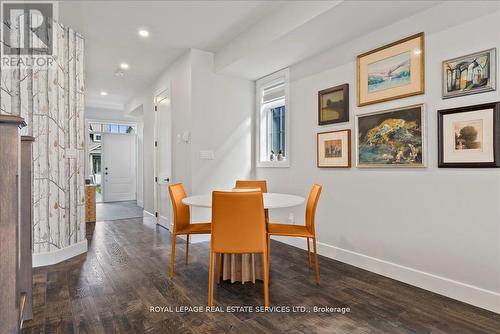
[27, 28]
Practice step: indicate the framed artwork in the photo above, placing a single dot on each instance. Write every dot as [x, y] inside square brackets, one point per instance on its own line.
[391, 72]
[334, 149]
[470, 74]
[392, 138]
[333, 105]
[469, 136]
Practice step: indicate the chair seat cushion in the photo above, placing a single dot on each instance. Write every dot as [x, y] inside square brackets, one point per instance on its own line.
[287, 229]
[197, 228]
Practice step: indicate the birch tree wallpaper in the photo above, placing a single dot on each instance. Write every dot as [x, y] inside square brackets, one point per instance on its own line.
[50, 98]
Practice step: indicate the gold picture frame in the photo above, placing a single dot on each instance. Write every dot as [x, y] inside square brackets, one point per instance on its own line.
[391, 72]
[333, 149]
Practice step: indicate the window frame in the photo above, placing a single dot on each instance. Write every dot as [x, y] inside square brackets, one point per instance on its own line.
[260, 85]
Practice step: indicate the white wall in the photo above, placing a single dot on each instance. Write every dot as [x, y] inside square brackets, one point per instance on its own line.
[435, 228]
[177, 80]
[217, 111]
[222, 110]
[107, 114]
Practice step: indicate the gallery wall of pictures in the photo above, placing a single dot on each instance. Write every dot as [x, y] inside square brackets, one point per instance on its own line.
[468, 136]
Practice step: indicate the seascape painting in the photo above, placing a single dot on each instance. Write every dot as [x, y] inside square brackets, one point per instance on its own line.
[392, 138]
[389, 73]
[333, 105]
[333, 148]
[468, 135]
[471, 74]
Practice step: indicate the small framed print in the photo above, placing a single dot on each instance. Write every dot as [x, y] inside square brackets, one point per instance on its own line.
[334, 149]
[469, 136]
[333, 105]
[392, 71]
[470, 74]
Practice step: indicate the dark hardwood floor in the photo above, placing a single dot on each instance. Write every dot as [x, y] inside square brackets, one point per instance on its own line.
[111, 290]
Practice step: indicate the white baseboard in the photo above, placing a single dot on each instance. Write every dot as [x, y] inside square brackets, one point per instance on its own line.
[489, 300]
[164, 222]
[147, 213]
[50, 258]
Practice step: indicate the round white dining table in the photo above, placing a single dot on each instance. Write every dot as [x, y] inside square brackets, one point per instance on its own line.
[271, 200]
[245, 267]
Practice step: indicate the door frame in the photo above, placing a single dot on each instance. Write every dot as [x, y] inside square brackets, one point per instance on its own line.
[87, 143]
[165, 93]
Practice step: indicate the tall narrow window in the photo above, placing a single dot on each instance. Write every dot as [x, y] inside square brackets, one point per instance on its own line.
[272, 120]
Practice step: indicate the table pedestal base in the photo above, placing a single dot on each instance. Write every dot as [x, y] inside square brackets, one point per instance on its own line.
[241, 267]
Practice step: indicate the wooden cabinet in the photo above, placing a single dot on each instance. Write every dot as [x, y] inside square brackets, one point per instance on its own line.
[9, 222]
[90, 215]
[25, 238]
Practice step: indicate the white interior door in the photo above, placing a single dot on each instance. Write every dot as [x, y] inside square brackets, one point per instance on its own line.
[119, 176]
[163, 159]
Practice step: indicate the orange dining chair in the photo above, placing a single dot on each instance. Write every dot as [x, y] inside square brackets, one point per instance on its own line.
[182, 221]
[301, 231]
[262, 184]
[238, 227]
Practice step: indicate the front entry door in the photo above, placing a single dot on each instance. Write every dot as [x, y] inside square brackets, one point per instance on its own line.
[119, 176]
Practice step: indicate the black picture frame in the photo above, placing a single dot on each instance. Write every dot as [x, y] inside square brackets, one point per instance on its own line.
[345, 117]
[496, 136]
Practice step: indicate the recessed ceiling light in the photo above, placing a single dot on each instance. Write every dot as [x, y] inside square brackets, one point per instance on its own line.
[103, 93]
[143, 33]
[124, 66]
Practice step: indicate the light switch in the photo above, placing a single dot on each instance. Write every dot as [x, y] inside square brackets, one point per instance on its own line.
[207, 155]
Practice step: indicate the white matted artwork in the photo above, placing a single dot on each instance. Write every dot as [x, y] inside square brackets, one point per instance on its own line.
[467, 136]
[334, 149]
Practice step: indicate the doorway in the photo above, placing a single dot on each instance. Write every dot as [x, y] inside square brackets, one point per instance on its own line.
[112, 164]
[162, 158]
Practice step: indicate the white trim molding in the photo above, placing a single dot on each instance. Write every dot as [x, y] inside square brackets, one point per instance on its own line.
[470, 294]
[147, 213]
[260, 107]
[50, 258]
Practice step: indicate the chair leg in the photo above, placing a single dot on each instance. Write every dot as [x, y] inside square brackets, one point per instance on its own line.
[265, 261]
[187, 248]
[172, 256]
[218, 266]
[268, 248]
[211, 280]
[308, 255]
[316, 266]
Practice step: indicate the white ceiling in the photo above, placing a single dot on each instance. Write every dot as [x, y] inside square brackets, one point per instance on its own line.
[110, 32]
[342, 22]
[249, 38]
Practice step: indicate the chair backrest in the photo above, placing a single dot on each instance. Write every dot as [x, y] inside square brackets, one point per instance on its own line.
[262, 184]
[238, 222]
[312, 203]
[181, 211]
